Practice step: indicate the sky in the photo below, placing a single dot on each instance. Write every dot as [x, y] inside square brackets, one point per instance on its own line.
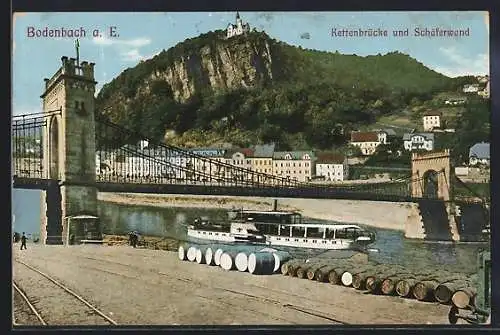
[142, 35]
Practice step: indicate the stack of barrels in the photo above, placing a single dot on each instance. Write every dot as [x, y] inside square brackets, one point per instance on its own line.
[244, 258]
[385, 279]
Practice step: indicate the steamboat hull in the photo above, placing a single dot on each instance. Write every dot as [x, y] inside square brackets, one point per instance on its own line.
[207, 237]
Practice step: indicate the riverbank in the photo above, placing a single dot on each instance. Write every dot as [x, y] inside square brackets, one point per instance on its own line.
[145, 242]
[377, 214]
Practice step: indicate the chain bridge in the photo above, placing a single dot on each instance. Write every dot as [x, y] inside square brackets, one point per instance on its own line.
[162, 168]
[70, 151]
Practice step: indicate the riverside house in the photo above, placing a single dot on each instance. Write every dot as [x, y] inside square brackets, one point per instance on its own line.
[368, 142]
[331, 166]
[295, 165]
[418, 141]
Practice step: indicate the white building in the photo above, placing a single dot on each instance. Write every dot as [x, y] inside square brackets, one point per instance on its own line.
[205, 165]
[332, 167]
[418, 141]
[241, 160]
[431, 121]
[471, 88]
[486, 92]
[104, 162]
[175, 164]
[262, 161]
[239, 28]
[479, 153]
[368, 142]
[455, 102]
[483, 79]
[294, 165]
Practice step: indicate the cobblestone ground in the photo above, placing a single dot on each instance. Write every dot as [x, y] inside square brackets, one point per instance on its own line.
[152, 287]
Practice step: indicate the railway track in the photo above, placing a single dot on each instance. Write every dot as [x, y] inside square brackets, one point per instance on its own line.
[32, 309]
[198, 283]
[74, 310]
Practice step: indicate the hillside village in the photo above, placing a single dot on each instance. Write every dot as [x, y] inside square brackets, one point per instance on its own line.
[302, 166]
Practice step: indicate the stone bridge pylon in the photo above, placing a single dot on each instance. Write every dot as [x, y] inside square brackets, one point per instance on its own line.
[69, 154]
[433, 217]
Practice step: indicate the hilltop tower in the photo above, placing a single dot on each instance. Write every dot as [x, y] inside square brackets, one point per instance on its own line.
[68, 148]
[239, 28]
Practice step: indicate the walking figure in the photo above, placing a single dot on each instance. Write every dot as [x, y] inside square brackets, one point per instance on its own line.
[23, 241]
[134, 239]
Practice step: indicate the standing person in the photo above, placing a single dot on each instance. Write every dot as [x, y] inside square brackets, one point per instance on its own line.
[134, 239]
[23, 241]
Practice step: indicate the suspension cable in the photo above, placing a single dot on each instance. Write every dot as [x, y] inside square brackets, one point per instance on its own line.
[43, 114]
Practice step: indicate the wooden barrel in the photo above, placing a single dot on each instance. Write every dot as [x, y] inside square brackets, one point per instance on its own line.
[200, 253]
[356, 265]
[182, 252]
[294, 266]
[285, 268]
[191, 253]
[335, 275]
[427, 284]
[444, 291]
[424, 290]
[359, 278]
[218, 252]
[312, 271]
[323, 272]
[464, 297]
[374, 281]
[261, 263]
[227, 260]
[280, 257]
[302, 269]
[346, 279]
[388, 286]
[209, 255]
[241, 261]
[405, 284]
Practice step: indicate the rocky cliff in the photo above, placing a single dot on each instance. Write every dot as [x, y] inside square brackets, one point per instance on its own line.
[208, 62]
[222, 65]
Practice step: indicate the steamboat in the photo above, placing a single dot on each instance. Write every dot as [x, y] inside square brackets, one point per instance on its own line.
[280, 228]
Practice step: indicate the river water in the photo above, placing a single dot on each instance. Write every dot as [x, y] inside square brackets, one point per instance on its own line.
[170, 222]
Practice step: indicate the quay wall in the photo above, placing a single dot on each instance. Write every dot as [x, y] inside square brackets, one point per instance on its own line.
[377, 214]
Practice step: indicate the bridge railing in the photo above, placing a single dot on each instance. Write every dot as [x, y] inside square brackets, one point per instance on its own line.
[27, 150]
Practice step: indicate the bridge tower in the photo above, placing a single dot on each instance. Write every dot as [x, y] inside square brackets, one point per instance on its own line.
[434, 215]
[431, 175]
[68, 148]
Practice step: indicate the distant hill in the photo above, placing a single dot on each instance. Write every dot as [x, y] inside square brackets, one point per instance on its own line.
[253, 88]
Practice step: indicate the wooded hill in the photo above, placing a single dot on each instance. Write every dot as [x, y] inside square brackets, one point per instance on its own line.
[254, 89]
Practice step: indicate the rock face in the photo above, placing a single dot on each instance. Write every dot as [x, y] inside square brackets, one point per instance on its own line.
[224, 65]
[208, 62]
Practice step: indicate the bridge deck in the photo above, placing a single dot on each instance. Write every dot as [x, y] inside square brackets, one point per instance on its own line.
[211, 189]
